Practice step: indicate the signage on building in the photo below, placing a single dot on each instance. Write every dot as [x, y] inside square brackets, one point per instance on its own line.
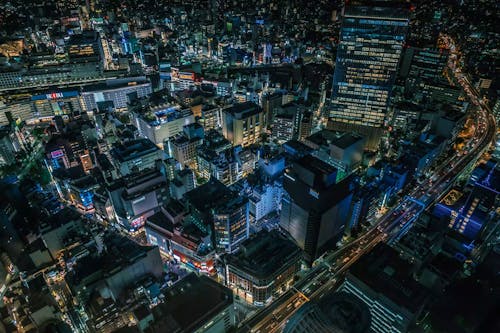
[54, 95]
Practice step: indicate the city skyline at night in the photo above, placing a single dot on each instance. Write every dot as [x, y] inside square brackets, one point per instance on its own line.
[261, 166]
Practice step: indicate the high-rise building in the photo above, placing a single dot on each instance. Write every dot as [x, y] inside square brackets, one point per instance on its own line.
[183, 147]
[214, 208]
[291, 121]
[384, 282]
[314, 207]
[371, 41]
[231, 225]
[242, 123]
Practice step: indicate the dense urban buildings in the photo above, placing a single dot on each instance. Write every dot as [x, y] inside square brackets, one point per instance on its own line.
[249, 166]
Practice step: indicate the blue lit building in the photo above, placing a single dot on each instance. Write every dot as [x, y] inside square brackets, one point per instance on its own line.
[371, 41]
[469, 212]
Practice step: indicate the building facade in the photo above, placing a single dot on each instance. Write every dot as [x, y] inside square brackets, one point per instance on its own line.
[371, 42]
[242, 123]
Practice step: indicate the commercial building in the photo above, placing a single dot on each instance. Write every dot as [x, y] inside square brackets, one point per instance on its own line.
[183, 146]
[231, 223]
[136, 155]
[213, 145]
[348, 149]
[264, 266]
[265, 199]
[216, 158]
[314, 207]
[291, 121]
[59, 228]
[119, 265]
[242, 123]
[420, 65]
[344, 151]
[182, 183]
[7, 150]
[384, 282]
[211, 117]
[184, 242]
[137, 196]
[196, 304]
[371, 42]
[336, 312]
[49, 75]
[468, 212]
[114, 93]
[215, 209]
[161, 123]
[76, 187]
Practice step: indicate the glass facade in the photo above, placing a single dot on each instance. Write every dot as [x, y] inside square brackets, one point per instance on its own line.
[371, 41]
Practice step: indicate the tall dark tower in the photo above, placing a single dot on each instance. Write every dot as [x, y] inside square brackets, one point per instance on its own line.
[314, 206]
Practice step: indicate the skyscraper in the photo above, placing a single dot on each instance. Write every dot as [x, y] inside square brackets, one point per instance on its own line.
[371, 41]
[314, 206]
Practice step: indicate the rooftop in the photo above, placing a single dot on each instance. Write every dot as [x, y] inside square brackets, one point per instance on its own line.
[203, 297]
[323, 137]
[265, 254]
[243, 110]
[159, 219]
[133, 149]
[209, 195]
[388, 10]
[387, 274]
[347, 140]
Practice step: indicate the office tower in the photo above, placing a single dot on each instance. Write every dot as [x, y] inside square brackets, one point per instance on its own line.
[242, 123]
[424, 64]
[314, 206]
[264, 265]
[371, 41]
[384, 282]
